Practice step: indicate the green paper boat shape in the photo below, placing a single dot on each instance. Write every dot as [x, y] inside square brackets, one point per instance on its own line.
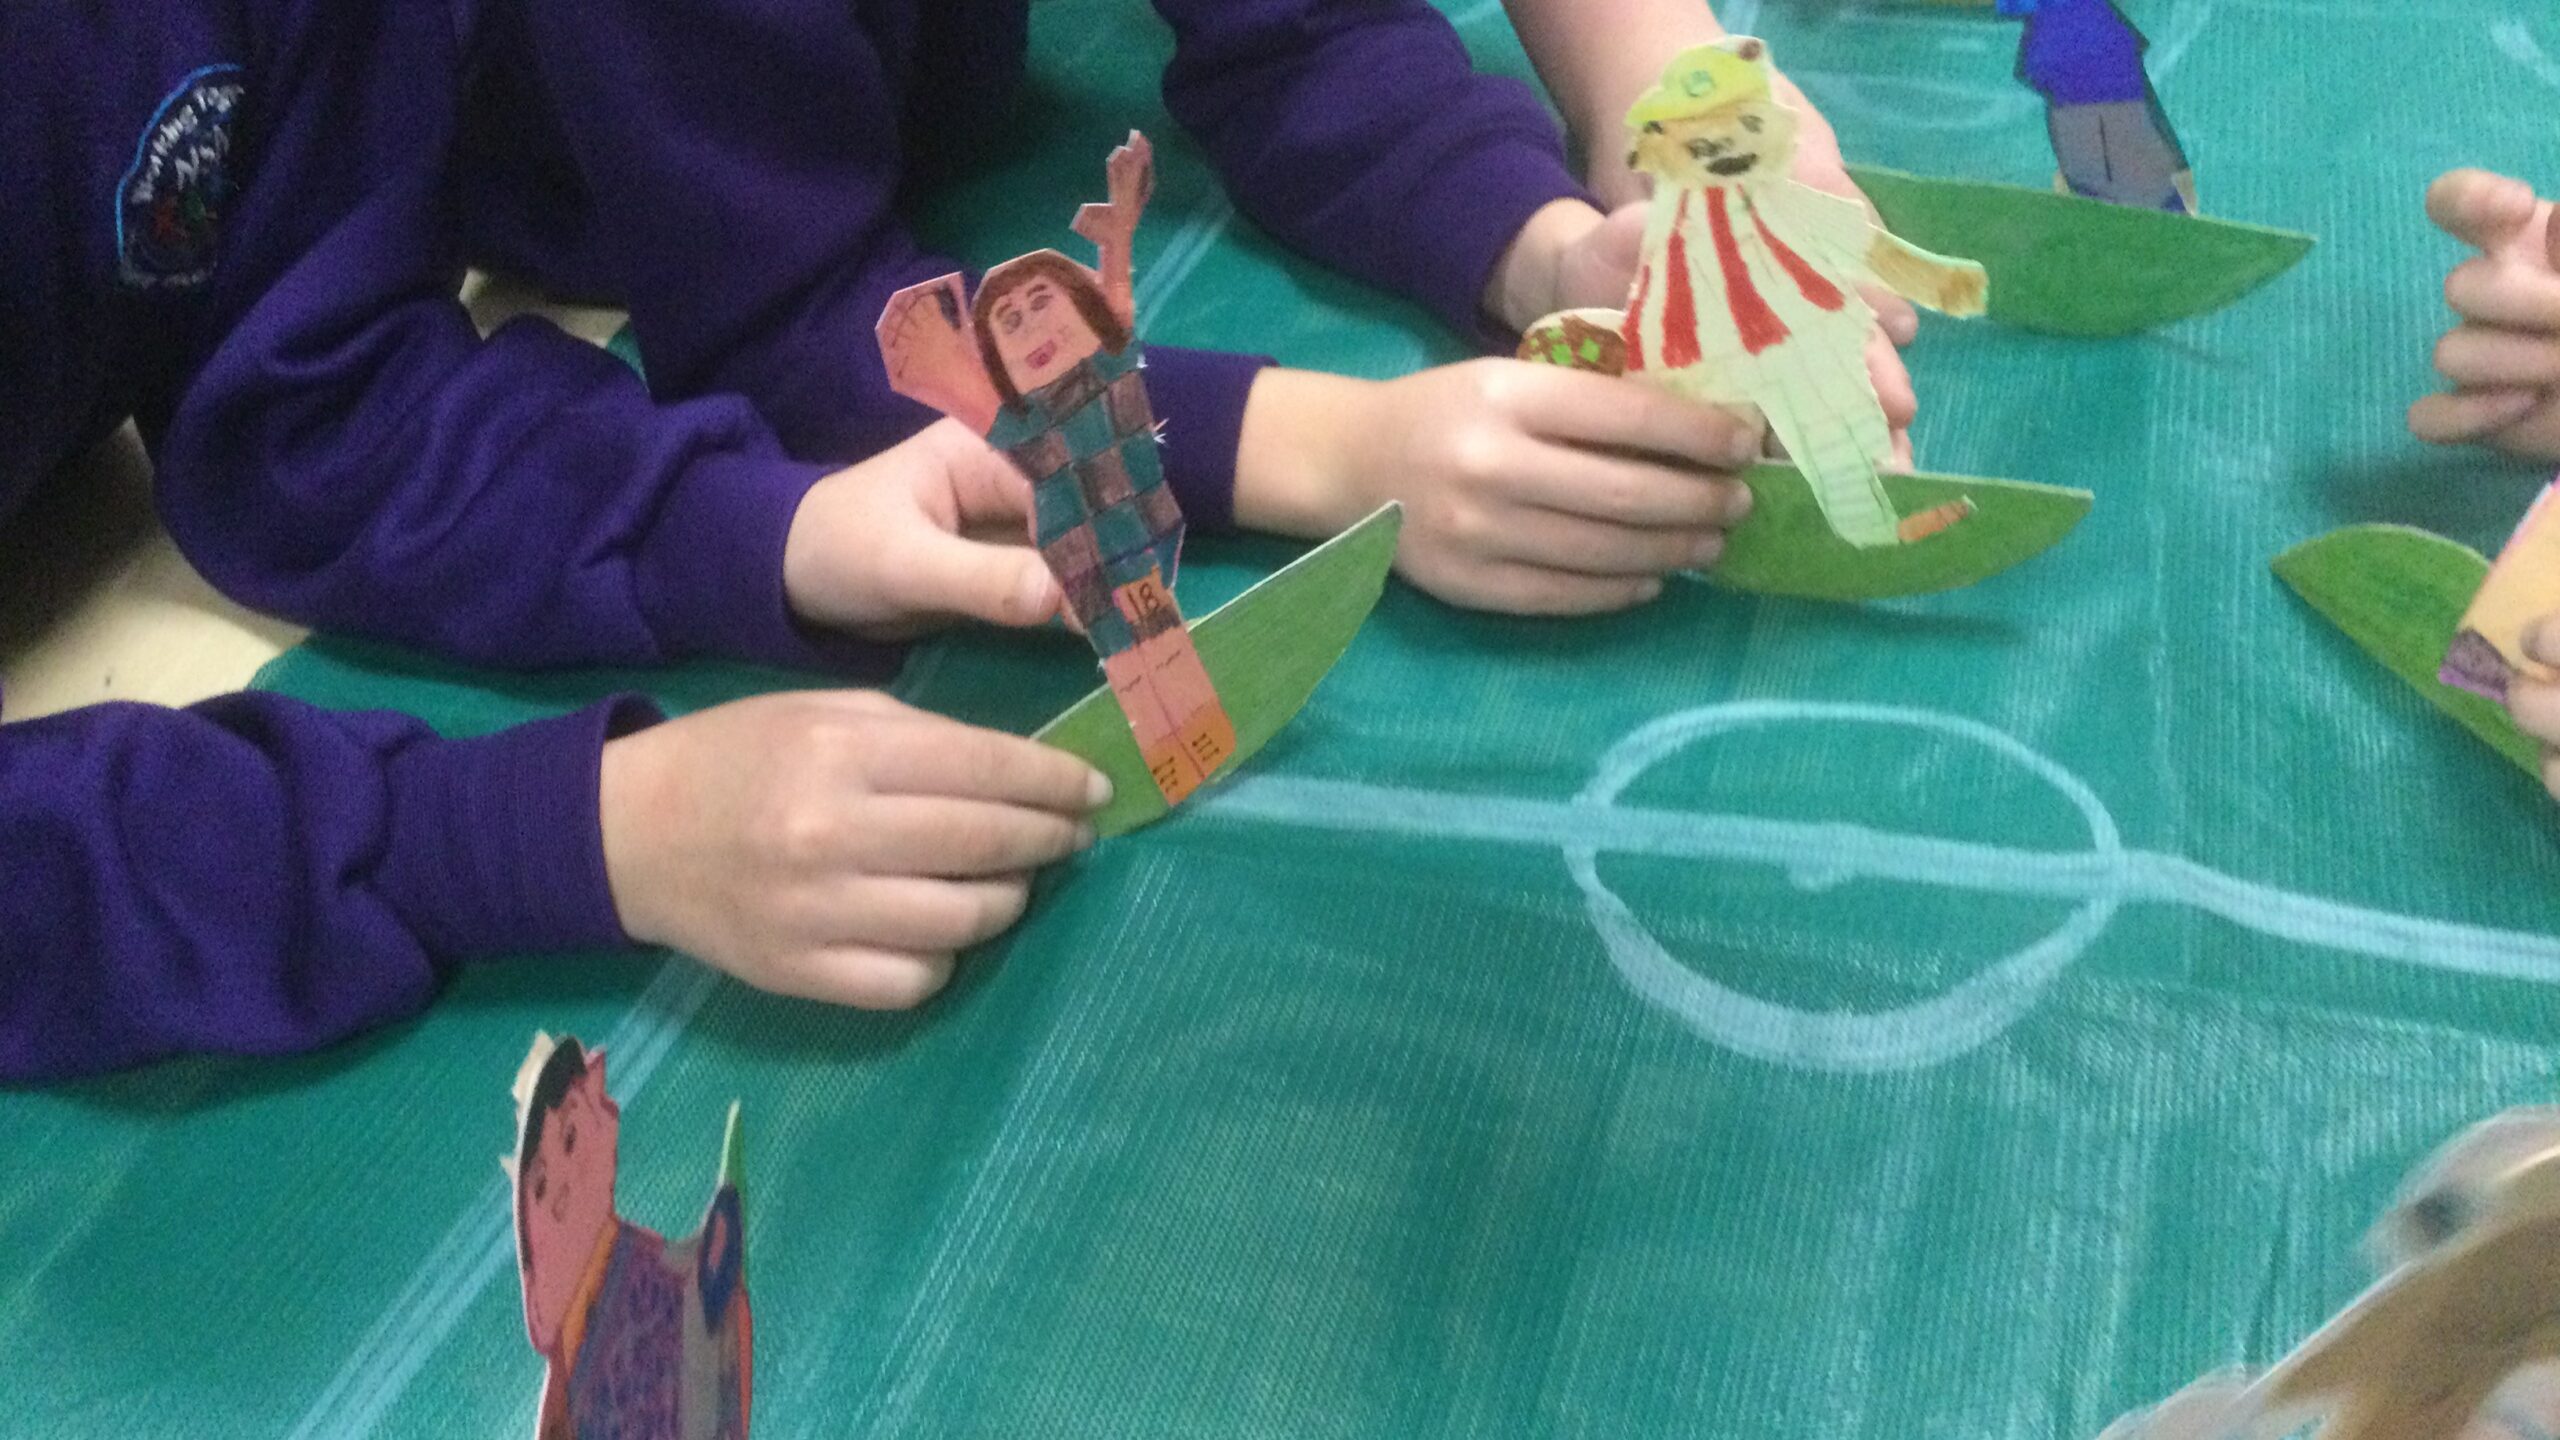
[1787, 548]
[2399, 594]
[1266, 651]
[2066, 265]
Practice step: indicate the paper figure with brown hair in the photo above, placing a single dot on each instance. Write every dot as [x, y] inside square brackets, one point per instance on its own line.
[1045, 362]
[1746, 287]
[646, 1339]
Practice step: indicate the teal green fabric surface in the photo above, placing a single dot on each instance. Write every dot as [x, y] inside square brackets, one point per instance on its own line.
[1353, 1101]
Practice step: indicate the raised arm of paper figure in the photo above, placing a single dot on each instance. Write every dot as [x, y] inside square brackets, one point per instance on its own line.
[1113, 225]
[931, 350]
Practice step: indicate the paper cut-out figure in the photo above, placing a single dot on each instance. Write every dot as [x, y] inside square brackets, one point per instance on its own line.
[2460, 1339]
[1046, 364]
[2110, 135]
[2523, 586]
[645, 1339]
[1746, 287]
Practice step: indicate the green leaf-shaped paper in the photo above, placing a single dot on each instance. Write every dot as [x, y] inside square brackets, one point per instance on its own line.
[1786, 547]
[2399, 594]
[1265, 651]
[2073, 266]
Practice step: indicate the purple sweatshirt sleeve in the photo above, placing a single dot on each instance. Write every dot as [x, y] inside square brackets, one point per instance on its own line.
[745, 158]
[350, 453]
[1359, 133]
[256, 876]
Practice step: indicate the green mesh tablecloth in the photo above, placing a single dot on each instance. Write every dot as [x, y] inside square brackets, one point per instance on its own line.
[1966, 1017]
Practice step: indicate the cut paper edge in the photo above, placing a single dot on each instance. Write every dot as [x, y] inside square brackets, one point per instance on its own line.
[2067, 265]
[1787, 548]
[2399, 593]
[1266, 651]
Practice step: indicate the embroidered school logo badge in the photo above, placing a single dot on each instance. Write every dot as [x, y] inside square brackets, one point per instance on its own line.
[170, 204]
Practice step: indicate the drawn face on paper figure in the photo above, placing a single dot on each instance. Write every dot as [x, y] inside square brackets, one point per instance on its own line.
[1735, 145]
[564, 1186]
[1040, 333]
[1711, 120]
[1038, 317]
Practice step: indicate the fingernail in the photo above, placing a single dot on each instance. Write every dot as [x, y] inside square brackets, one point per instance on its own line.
[1097, 791]
[1742, 452]
[1085, 837]
[1737, 506]
[1035, 600]
[1706, 551]
[1648, 592]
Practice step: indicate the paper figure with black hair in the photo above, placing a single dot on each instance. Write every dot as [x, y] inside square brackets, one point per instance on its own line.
[646, 1339]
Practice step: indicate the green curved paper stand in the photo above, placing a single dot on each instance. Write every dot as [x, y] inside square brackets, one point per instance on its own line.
[1265, 650]
[2071, 266]
[2399, 594]
[1787, 548]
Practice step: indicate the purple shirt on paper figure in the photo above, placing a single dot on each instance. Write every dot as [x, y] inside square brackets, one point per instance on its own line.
[646, 1338]
[2111, 137]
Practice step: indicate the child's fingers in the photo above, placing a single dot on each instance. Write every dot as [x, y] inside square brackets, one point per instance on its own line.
[2541, 640]
[1625, 415]
[2465, 416]
[1004, 584]
[1898, 318]
[2482, 357]
[938, 757]
[2480, 209]
[2495, 291]
[1627, 491]
[1532, 590]
[1553, 540]
[937, 836]
[866, 977]
[2536, 707]
[1892, 380]
[929, 916]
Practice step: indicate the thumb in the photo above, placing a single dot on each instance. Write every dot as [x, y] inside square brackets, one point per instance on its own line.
[1003, 584]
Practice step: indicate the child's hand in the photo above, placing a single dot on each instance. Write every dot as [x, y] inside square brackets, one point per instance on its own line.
[924, 532]
[2504, 356]
[2536, 703]
[1595, 266]
[1526, 488]
[834, 845]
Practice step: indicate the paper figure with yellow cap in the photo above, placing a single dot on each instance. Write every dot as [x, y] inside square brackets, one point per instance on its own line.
[1746, 292]
[646, 1338]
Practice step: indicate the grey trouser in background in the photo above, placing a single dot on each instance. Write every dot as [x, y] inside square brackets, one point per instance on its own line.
[2122, 152]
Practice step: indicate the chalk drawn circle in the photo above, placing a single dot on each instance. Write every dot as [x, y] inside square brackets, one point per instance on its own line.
[1908, 1037]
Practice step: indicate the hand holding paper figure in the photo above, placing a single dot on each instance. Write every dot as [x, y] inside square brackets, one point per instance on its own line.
[1044, 362]
[1747, 293]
